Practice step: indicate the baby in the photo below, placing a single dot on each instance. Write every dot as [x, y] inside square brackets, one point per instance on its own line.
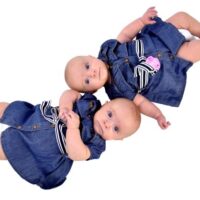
[42, 141]
[150, 68]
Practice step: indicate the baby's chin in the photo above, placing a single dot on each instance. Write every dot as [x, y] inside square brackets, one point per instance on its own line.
[104, 75]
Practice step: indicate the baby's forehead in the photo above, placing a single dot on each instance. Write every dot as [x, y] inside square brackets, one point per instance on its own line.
[123, 110]
[120, 104]
[82, 59]
[75, 64]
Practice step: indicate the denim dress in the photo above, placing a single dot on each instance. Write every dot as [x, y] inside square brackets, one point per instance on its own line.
[162, 41]
[31, 145]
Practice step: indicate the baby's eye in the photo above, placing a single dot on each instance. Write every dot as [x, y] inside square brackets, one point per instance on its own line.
[87, 81]
[116, 129]
[109, 114]
[87, 66]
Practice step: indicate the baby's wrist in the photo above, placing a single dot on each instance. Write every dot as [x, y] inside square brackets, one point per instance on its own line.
[72, 128]
[141, 21]
[63, 109]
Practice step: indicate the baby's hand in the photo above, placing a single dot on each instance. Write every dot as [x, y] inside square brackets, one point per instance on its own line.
[73, 120]
[163, 123]
[148, 16]
[63, 114]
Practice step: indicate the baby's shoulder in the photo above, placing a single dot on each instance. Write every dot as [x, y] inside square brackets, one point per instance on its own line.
[110, 43]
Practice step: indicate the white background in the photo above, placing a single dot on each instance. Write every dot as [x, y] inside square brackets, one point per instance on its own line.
[37, 38]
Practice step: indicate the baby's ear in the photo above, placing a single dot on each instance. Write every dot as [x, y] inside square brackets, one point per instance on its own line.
[91, 56]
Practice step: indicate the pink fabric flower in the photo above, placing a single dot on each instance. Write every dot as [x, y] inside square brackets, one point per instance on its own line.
[154, 62]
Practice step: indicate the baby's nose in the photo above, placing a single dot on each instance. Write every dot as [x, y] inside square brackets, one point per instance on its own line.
[107, 123]
[92, 73]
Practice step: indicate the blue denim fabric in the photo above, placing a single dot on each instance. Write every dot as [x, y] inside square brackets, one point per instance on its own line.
[86, 107]
[30, 143]
[31, 148]
[161, 40]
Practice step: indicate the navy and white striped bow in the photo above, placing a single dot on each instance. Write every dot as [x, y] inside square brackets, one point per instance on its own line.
[143, 69]
[59, 125]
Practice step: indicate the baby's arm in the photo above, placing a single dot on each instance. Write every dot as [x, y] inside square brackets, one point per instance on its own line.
[66, 102]
[149, 109]
[132, 29]
[75, 147]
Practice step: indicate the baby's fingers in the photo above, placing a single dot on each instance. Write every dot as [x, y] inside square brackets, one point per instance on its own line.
[152, 12]
[165, 125]
[72, 115]
[73, 120]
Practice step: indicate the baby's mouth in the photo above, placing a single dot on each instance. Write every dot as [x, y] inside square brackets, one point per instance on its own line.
[98, 128]
[99, 73]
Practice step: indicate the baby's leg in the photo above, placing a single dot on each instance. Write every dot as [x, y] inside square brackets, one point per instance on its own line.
[2, 154]
[3, 106]
[182, 20]
[190, 51]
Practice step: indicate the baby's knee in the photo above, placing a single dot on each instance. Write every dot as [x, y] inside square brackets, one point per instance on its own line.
[181, 20]
[3, 106]
[181, 14]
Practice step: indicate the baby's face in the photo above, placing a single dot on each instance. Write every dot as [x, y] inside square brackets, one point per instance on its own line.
[114, 121]
[86, 73]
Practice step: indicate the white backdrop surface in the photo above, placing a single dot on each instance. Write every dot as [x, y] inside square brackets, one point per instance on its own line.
[37, 38]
